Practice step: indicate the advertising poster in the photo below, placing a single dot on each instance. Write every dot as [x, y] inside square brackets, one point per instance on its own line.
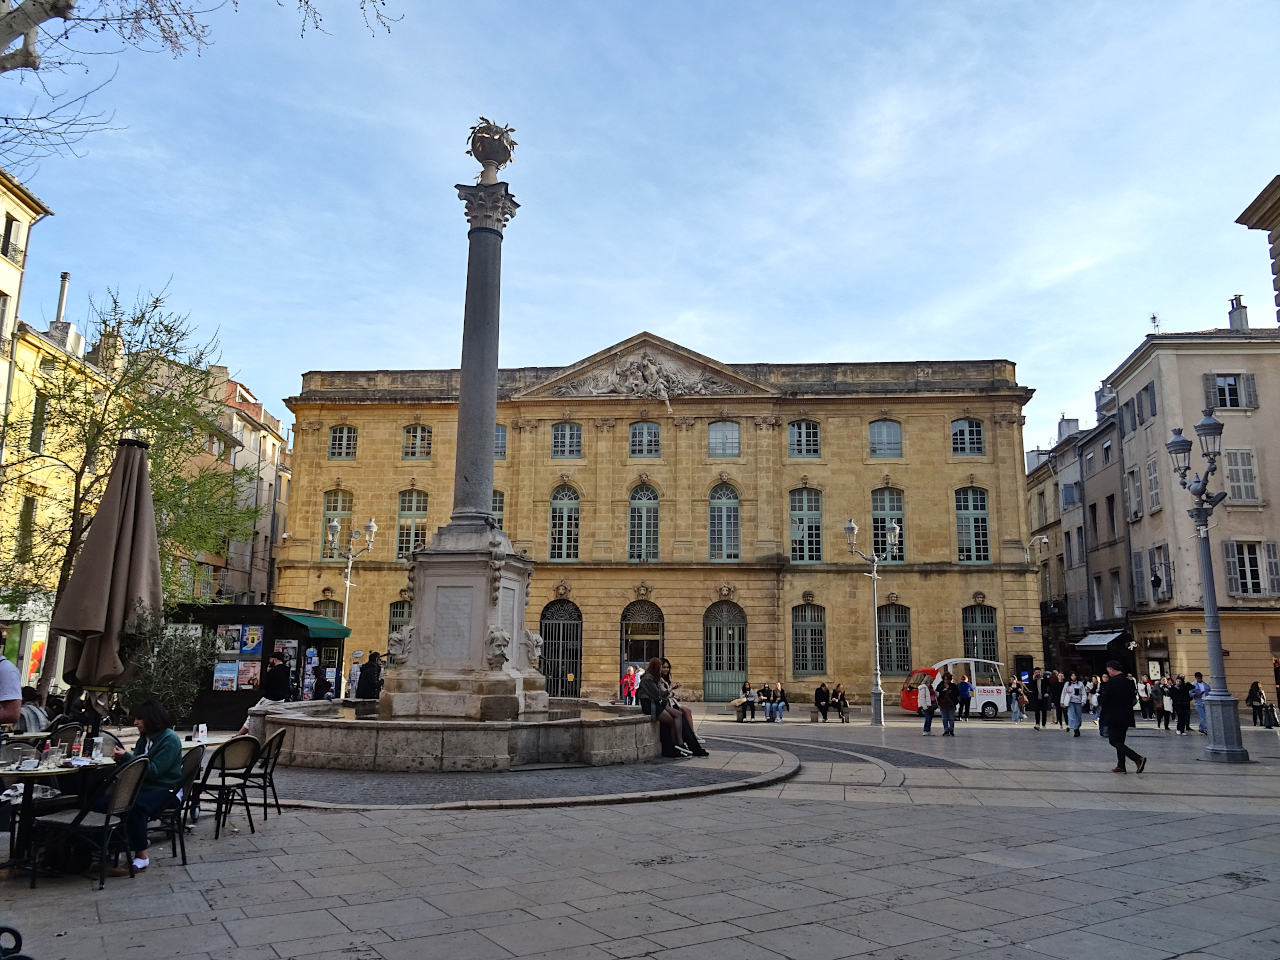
[248, 673]
[251, 639]
[228, 635]
[224, 677]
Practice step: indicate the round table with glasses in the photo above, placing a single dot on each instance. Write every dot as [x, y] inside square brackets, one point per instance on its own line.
[29, 778]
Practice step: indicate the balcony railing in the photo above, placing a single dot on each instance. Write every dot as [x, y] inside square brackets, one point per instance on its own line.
[11, 251]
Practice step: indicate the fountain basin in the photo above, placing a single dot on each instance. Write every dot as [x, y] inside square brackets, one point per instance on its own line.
[573, 731]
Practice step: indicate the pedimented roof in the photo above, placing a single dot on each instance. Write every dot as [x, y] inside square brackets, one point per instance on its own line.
[646, 365]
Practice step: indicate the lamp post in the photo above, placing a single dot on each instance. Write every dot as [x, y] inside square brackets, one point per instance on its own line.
[1220, 707]
[349, 555]
[851, 535]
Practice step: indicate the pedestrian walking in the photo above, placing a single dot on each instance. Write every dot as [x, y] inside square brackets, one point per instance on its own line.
[1038, 693]
[927, 704]
[1056, 682]
[948, 699]
[965, 689]
[1199, 690]
[1115, 712]
[1162, 702]
[1072, 700]
[1258, 700]
[1017, 701]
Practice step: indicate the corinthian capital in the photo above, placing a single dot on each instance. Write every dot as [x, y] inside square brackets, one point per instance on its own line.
[488, 204]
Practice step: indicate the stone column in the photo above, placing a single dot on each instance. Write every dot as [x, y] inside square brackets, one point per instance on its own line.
[467, 654]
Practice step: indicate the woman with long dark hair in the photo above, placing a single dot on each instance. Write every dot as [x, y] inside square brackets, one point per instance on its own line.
[159, 744]
[1258, 700]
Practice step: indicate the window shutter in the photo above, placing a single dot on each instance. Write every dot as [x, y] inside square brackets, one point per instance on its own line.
[1120, 422]
[1210, 381]
[1273, 568]
[1233, 570]
[1142, 412]
[1249, 387]
[1139, 579]
[1151, 398]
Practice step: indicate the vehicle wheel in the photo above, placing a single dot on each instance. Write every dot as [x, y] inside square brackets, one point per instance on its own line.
[989, 711]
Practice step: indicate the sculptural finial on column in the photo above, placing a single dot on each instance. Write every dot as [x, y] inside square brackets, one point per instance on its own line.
[492, 145]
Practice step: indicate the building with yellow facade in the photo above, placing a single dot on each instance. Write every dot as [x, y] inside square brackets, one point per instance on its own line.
[682, 507]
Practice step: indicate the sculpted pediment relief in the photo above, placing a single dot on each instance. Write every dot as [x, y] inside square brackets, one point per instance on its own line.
[648, 367]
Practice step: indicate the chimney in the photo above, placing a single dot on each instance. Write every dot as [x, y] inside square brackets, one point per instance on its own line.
[1238, 315]
[1066, 428]
[62, 296]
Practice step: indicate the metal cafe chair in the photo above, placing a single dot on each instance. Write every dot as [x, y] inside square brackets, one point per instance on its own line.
[172, 818]
[224, 779]
[103, 831]
[263, 773]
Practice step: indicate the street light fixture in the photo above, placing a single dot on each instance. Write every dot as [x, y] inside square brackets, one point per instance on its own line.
[893, 534]
[1221, 712]
[349, 555]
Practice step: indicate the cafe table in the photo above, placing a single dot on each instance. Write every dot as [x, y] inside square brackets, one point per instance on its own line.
[45, 772]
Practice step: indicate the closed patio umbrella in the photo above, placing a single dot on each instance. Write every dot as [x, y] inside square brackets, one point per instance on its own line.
[116, 577]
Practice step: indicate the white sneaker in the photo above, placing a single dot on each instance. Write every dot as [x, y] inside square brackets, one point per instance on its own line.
[683, 750]
[141, 863]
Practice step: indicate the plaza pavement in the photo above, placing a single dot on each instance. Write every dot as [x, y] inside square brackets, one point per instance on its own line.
[1002, 844]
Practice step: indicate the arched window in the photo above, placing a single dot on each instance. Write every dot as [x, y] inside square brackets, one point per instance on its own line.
[973, 538]
[806, 525]
[342, 443]
[808, 639]
[886, 507]
[337, 506]
[642, 525]
[563, 533]
[966, 438]
[328, 608]
[723, 439]
[723, 529]
[499, 507]
[803, 439]
[411, 523]
[399, 614]
[417, 442]
[979, 623]
[566, 441]
[895, 638]
[646, 440]
[499, 442]
[886, 438]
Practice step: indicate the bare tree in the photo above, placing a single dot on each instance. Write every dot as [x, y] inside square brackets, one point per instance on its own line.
[44, 39]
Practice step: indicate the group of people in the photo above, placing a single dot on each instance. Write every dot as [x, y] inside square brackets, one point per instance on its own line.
[771, 697]
[834, 699]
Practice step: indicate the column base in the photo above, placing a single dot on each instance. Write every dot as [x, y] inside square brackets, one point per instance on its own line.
[1223, 716]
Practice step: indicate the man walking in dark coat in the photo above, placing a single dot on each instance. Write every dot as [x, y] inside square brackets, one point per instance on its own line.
[1115, 712]
[1040, 696]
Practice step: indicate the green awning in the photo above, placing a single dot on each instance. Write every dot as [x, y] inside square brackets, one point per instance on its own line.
[319, 628]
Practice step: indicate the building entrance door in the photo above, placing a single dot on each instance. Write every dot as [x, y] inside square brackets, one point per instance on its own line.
[641, 633]
[561, 629]
[724, 651]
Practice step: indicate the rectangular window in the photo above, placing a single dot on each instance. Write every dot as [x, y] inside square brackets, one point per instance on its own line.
[1066, 548]
[1139, 573]
[1097, 597]
[1153, 483]
[498, 507]
[26, 530]
[1117, 597]
[499, 442]
[1080, 548]
[806, 526]
[966, 438]
[417, 443]
[803, 439]
[645, 440]
[342, 443]
[1133, 490]
[972, 534]
[1088, 464]
[566, 441]
[1111, 515]
[886, 438]
[1106, 452]
[1244, 563]
[1093, 521]
[1242, 486]
[39, 415]
[1161, 572]
[808, 640]
[723, 439]
[1070, 495]
[1228, 390]
[1040, 504]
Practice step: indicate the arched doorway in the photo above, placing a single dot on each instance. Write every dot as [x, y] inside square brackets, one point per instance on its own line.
[561, 629]
[641, 635]
[724, 651]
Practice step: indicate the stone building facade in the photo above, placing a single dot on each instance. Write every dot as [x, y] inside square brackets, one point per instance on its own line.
[682, 507]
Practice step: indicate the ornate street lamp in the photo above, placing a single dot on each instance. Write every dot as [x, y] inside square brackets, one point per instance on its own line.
[893, 534]
[1221, 712]
[349, 555]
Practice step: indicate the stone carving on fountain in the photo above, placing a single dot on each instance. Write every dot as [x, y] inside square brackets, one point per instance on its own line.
[533, 647]
[495, 647]
[641, 374]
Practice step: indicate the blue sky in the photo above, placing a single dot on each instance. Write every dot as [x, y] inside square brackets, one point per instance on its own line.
[757, 181]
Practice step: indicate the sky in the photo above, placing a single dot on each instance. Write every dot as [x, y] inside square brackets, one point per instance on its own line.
[800, 182]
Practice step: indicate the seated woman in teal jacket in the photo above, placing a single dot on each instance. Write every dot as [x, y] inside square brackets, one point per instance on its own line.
[158, 742]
